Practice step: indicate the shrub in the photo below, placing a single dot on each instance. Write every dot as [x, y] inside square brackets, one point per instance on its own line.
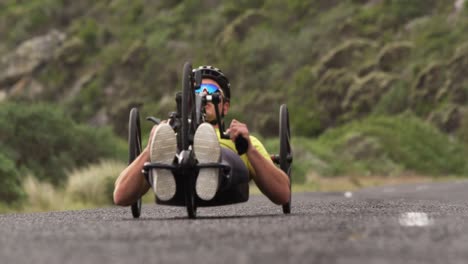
[93, 184]
[42, 196]
[42, 139]
[10, 183]
[405, 141]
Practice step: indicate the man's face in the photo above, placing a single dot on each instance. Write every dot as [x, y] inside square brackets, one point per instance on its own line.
[210, 108]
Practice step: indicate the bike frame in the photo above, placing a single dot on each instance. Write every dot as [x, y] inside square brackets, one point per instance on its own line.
[186, 167]
[189, 115]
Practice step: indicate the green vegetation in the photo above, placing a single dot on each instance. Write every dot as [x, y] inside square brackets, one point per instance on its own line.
[40, 139]
[378, 145]
[10, 184]
[373, 87]
[388, 145]
[87, 187]
[274, 52]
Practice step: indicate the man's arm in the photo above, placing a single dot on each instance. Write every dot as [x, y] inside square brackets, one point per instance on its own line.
[271, 180]
[131, 183]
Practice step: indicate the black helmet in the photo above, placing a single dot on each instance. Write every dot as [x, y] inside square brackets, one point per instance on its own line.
[218, 76]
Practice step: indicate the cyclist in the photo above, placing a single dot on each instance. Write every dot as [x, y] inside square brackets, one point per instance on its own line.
[208, 147]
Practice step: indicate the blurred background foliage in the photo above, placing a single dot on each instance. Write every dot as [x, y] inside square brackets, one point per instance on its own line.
[374, 87]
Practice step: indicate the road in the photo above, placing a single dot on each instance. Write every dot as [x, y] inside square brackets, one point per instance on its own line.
[419, 223]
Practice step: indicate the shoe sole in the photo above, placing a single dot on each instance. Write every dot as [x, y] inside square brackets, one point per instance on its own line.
[163, 149]
[207, 150]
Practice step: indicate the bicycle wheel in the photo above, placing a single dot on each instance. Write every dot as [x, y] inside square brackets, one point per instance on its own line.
[285, 158]
[186, 132]
[134, 149]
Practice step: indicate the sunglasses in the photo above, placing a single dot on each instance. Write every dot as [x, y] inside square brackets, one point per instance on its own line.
[209, 88]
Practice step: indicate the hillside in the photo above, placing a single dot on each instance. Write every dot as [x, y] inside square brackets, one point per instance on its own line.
[347, 69]
[332, 61]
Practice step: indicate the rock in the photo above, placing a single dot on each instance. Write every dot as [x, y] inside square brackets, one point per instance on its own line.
[29, 56]
[374, 2]
[429, 84]
[135, 55]
[3, 96]
[330, 91]
[447, 119]
[416, 24]
[238, 29]
[367, 68]
[457, 72]
[27, 87]
[71, 52]
[352, 52]
[77, 86]
[459, 5]
[462, 131]
[365, 93]
[393, 56]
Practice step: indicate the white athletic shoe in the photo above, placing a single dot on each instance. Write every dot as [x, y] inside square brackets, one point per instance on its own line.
[163, 149]
[207, 150]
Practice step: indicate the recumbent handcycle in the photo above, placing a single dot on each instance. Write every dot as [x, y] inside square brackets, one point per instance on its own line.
[189, 115]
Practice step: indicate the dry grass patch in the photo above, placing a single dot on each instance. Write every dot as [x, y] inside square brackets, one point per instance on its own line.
[316, 183]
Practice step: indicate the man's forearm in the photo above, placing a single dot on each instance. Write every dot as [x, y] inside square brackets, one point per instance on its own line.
[131, 184]
[272, 181]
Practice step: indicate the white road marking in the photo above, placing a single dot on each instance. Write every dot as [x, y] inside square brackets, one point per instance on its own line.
[348, 194]
[415, 219]
[422, 187]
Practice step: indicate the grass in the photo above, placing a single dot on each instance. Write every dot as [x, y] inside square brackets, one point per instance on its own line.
[354, 183]
[94, 184]
[371, 152]
[43, 197]
[88, 187]
[389, 146]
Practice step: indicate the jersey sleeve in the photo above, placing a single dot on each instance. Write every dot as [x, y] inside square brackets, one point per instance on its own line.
[261, 149]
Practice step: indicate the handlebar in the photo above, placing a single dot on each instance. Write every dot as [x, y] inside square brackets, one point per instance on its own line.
[241, 143]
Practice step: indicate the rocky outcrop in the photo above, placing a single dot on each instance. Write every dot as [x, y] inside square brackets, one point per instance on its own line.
[393, 56]
[330, 91]
[457, 71]
[429, 83]
[447, 118]
[459, 5]
[27, 87]
[238, 29]
[71, 52]
[365, 93]
[352, 52]
[29, 56]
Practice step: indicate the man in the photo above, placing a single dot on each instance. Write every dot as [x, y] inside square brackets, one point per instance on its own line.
[208, 147]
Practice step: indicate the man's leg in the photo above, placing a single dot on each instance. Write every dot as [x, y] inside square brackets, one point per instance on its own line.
[163, 150]
[238, 173]
[235, 188]
[207, 150]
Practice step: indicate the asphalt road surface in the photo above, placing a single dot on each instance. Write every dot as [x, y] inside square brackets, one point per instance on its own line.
[420, 223]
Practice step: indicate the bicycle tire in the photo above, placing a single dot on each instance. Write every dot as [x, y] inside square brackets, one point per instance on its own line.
[285, 156]
[134, 149]
[186, 129]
